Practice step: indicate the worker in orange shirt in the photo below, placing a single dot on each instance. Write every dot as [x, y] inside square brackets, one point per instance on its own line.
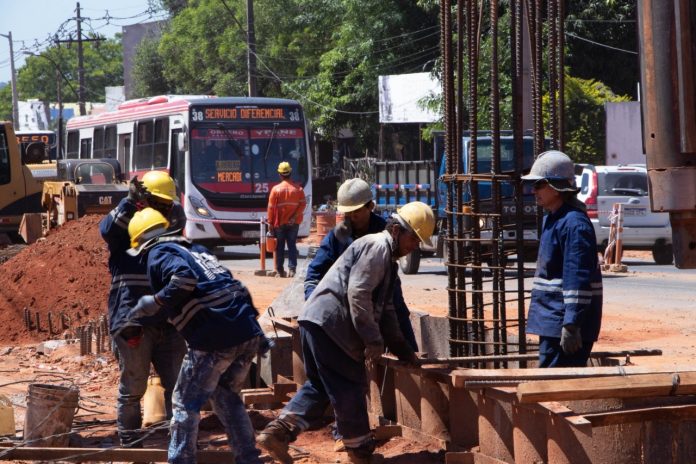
[285, 209]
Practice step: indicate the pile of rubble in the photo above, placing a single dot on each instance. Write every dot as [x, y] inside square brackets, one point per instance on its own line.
[65, 274]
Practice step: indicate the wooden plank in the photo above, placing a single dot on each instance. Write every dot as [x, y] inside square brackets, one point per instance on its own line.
[634, 386]
[107, 454]
[662, 413]
[461, 377]
[561, 410]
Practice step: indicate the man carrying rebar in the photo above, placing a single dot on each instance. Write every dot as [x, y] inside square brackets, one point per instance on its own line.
[348, 319]
[566, 306]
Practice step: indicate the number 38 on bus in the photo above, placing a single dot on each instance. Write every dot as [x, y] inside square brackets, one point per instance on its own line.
[222, 152]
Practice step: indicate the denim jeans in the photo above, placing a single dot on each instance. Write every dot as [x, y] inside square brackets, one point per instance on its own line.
[551, 354]
[286, 234]
[160, 345]
[332, 377]
[218, 376]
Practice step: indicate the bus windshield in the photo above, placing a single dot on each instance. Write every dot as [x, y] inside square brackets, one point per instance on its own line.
[244, 160]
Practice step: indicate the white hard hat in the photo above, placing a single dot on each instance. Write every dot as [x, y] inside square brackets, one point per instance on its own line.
[553, 165]
[353, 194]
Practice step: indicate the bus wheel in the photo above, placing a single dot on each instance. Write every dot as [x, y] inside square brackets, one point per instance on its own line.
[409, 264]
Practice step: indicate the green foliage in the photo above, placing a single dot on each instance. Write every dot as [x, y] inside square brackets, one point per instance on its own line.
[148, 69]
[584, 126]
[6, 103]
[607, 22]
[103, 67]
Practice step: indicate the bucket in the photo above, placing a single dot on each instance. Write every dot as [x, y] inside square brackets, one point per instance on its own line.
[326, 220]
[50, 411]
[271, 243]
[7, 422]
[153, 402]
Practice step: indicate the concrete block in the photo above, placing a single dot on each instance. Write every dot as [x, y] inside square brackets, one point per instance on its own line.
[431, 333]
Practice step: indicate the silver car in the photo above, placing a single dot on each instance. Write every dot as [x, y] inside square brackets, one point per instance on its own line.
[643, 229]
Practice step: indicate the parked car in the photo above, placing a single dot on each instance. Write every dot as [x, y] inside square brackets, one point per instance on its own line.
[643, 229]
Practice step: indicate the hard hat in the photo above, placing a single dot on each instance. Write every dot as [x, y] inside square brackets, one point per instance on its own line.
[145, 225]
[159, 184]
[419, 218]
[284, 168]
[554, 165]
[353, 194]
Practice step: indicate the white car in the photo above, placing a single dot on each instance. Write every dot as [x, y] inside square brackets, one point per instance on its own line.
[643, 229]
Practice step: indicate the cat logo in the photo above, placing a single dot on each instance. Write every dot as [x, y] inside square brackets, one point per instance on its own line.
[105, 200]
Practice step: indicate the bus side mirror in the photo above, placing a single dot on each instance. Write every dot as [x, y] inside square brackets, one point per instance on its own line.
[182, 141]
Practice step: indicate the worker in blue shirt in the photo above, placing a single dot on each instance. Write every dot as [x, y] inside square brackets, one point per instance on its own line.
[149, 340]
[356, 202]
[566, 305]
[213, 311]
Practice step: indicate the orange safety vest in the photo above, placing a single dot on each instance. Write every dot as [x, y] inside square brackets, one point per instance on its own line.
[286, 204]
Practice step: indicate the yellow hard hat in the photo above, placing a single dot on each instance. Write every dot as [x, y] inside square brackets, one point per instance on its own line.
[146, 224]
[159, 184]
[284, 168]
[419, 218]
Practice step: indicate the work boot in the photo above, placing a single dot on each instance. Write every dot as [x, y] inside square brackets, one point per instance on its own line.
[275, 440]
[281, 273]
[291, 273]
[363, 454]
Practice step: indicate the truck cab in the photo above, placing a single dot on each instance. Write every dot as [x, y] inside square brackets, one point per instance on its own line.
[20, 192]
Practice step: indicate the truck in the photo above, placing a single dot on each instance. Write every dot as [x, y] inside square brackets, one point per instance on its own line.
[85, 186]
[20, 191]
[399, 182]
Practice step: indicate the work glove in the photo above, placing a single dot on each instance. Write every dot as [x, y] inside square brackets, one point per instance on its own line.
[133, 335]
[374, 351]
[136, 190]
[571, 340]
[147, 306]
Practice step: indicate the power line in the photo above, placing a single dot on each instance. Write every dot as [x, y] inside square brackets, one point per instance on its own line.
[570, 34]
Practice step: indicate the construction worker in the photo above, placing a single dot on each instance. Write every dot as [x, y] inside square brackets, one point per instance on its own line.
[285, 210]
[349, 318]
[214, 313]
[355, 201]
[566, 305]
[150, 340]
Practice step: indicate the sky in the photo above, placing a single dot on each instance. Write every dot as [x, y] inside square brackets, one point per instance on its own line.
[33, 21]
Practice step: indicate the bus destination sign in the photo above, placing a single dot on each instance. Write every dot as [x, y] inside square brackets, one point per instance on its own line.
[245, 113]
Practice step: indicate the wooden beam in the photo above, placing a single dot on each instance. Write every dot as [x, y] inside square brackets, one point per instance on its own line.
[465, 378]
[633, 386]
[662, 413]
[106, 454]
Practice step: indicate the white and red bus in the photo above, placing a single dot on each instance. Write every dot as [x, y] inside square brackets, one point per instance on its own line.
[222, 152]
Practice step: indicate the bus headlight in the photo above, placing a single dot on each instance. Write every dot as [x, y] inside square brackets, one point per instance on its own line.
[199, 208]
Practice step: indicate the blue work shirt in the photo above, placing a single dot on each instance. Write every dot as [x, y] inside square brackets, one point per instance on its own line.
[211, 309]
[333, 246]
[128, 274]
[567, 288]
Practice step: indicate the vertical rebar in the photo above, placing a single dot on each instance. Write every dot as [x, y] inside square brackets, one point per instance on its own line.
[38, 321]
[50, 324]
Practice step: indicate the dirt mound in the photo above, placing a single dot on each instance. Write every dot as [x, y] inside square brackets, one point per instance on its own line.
[65, 273]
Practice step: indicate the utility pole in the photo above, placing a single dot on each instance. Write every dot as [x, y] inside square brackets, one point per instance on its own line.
[251, 49]
[59, 132]
[15, 97]
[80, 65]
[80, 59]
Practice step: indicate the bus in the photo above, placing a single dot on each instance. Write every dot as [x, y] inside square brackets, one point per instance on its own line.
[222, 152]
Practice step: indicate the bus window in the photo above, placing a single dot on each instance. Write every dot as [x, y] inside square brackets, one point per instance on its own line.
[161, 143]
[110, 142]
[142, 158]
[85, 148]
[73, 144]
[4, 158]
[98, 143]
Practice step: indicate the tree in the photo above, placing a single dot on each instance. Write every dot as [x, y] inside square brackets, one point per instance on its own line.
[103, 65]
[148, 70]
[6, 103]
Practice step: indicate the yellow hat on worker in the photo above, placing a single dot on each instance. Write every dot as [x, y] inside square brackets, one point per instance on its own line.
[159, 184]
[145, 225]
[284, 168]
[419, 218]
